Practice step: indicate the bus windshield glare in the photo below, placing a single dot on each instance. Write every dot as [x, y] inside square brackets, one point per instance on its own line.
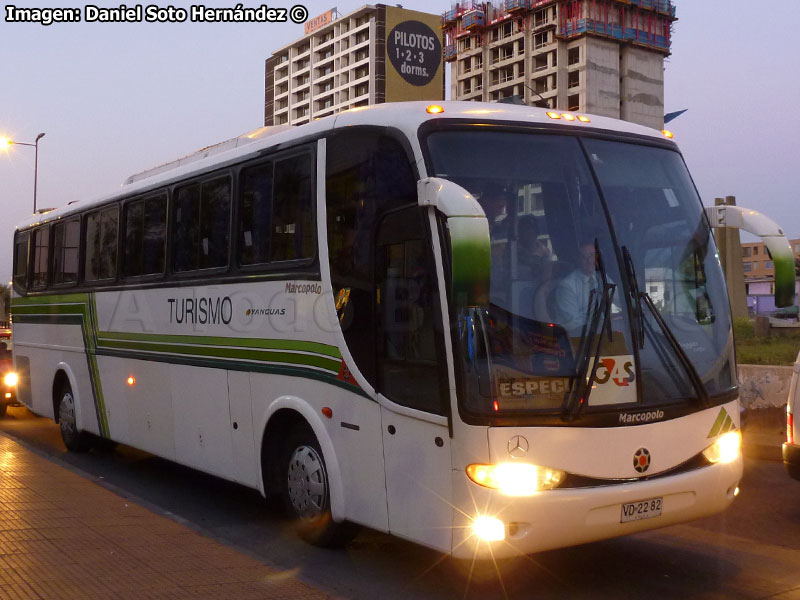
[606, 290]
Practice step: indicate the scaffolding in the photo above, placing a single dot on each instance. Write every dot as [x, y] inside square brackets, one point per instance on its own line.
[642, 22]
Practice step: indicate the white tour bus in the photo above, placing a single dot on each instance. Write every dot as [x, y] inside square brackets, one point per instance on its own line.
[485, 328]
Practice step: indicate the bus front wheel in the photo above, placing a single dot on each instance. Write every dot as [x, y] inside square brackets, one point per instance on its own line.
[306, 491]
[74, 439]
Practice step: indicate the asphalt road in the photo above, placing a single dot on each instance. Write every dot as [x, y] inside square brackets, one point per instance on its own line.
[750, 551]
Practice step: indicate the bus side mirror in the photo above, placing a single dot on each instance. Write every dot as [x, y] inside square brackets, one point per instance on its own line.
[470, 247]
[773, 237]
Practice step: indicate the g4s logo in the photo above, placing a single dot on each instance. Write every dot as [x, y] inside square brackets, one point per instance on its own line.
[609, 369]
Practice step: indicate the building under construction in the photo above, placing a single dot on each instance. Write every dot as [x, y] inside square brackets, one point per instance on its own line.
[604, 57]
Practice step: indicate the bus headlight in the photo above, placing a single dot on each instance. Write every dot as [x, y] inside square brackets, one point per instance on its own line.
[726, 449]
[515, 479]
[10, 379]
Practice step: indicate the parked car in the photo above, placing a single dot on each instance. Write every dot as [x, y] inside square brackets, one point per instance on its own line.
[8, 378]
[791, 449]
[790, 313]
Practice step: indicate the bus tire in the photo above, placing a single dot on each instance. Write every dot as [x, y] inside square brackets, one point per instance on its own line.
[74, 440]
[306, 491]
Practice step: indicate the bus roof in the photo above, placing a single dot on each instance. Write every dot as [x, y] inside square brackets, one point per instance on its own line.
[405, 116]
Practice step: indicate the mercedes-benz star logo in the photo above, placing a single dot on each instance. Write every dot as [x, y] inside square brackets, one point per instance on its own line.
[517, 446]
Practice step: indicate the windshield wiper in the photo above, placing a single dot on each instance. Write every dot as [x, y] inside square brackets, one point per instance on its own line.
[579, 396]
[637, 325]
[644, 298]
[573, 406]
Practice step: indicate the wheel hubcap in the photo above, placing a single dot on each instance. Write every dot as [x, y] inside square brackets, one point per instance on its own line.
[67, 414]
[307, 482]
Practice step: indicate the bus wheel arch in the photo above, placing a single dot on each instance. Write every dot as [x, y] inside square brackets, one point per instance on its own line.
[60, 380]
[290, 438]
[66, 412]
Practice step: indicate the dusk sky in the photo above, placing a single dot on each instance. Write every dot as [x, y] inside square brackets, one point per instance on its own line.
[115, 99]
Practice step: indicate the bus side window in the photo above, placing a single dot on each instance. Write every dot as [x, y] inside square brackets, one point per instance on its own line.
[66, 240]
[202, 225]
[145, 236]
[41, 251]
[292, 221]
[21, 262]
[101, 245]
[215, 214]
[255, 214]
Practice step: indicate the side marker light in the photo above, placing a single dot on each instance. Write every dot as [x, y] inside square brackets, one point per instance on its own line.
[667, 134]
[131, 381]
[434, 109]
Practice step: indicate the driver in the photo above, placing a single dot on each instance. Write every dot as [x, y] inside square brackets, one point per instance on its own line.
[579, 292]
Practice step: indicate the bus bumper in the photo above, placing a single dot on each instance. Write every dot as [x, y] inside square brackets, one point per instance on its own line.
[567, 517]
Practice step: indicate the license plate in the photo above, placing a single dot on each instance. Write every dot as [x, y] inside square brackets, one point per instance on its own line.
[643, 509]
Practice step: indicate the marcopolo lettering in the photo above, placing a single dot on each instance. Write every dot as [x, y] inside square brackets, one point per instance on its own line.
[303, 288]
[203, 311]
[642, 417]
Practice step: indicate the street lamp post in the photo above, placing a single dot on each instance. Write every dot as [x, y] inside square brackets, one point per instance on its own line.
[35, 162]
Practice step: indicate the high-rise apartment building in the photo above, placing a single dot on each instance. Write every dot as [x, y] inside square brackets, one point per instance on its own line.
[604, 57]
[372, 55]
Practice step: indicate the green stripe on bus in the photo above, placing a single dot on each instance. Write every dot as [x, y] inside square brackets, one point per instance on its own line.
[91, 343]
[53, 309]
[233, 365]
[260, 343]
[234, 353]
[50, 299]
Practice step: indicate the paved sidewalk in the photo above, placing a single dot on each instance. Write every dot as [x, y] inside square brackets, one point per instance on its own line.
[63, 536]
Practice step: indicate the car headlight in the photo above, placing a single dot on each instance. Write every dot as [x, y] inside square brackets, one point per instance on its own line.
[10, 379]
[515, 479]
[726, 449]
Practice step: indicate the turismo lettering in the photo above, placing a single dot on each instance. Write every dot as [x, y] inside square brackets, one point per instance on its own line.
[203, 311]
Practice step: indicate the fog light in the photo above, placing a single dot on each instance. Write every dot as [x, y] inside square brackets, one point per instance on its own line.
[489, 529]
[726, 449]
[10, 379]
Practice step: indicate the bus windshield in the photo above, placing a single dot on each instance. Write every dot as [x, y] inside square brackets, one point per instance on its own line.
[606, 291]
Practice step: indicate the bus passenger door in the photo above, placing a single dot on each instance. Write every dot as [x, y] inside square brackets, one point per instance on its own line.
[411, 382]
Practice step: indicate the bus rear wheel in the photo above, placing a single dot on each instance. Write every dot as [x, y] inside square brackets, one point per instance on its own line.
[74, 440]
[306, 492]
